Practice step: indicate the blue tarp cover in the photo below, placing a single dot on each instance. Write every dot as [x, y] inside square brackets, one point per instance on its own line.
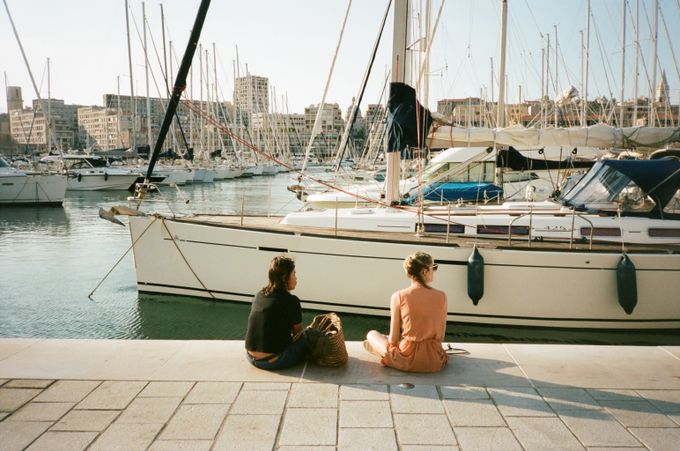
[453, 191]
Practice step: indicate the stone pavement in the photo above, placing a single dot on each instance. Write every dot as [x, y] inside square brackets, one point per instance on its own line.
[201, 395]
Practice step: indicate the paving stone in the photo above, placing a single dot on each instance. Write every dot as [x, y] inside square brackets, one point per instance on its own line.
[464, 392]
[213, 393]
[419, 429]
[354, 439]
[365, 414]
[41, 411]
[29, 383]
[112, 395]
[266, 386]
[2, 382]
[419, 399]
[86, 420]
[479, 412]
[487, 438]
[4, 415]
[13, 398]
[667, 401]
[248, 432]
[17, 435]
[673, 416]
[306, 448]
[520, 402]
[364, 392]
[427, 448]
[149, 410]
[158, 389]
[195, 421]
[658, 439]
[313, 395]
[260, 402]
[67, 391]
[568, 398]
[67, 441]
[597, 428]
[543, 433]
[181, 445]
[638, 414]
[610, 394]
[126, 437]
[309, 427]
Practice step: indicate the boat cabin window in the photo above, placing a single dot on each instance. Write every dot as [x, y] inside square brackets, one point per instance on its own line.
[459, 172]
[606, 189]
[673, 207]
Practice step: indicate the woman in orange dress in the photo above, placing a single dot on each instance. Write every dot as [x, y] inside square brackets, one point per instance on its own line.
[419, 313]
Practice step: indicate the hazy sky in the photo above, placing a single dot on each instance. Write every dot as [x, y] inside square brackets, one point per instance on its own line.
[292, 43]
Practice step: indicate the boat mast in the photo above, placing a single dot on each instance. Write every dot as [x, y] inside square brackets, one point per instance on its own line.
[49, 109]
[178, 88]
[400, 70]
[500, 118]
[637, 58]
[623, 59]
[146, 76]
[132, 83]
[652, 86]
[584, 103]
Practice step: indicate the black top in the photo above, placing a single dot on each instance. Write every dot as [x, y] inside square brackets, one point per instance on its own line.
[271, 320]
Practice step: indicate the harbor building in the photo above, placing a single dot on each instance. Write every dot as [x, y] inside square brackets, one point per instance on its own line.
[48, 125]
[331, 128]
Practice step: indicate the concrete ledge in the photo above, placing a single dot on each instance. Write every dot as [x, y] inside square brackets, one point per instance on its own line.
[161, 395]
[517, 365]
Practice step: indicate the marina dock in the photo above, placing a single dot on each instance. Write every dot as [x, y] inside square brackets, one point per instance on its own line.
[201, 395]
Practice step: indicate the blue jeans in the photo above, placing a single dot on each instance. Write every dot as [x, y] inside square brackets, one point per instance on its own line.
[295, 353]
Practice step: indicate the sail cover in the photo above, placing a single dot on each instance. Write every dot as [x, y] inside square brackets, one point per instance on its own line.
[600, 135]
[403, 113]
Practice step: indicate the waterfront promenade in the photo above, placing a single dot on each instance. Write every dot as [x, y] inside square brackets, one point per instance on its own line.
[201, 395]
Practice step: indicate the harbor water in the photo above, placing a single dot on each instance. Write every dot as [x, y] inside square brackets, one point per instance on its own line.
[51, 259]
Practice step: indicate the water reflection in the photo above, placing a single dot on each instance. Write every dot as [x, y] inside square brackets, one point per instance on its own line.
[42, 220]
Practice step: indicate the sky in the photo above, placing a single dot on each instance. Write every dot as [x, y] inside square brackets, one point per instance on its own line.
[293, 43]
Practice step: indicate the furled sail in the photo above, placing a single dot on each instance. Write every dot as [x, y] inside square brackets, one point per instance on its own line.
[599, 135]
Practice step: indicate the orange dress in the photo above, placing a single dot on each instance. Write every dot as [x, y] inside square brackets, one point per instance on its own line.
[423, 315]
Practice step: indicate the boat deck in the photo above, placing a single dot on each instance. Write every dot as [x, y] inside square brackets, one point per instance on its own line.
[272, 223]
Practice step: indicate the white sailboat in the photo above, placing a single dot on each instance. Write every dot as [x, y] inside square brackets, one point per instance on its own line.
[28, 188]
[552, 282]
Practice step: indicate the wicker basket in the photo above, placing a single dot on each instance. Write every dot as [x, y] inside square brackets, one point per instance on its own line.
[335, 351]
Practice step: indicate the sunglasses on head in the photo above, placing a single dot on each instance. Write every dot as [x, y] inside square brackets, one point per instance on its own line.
[434, 267]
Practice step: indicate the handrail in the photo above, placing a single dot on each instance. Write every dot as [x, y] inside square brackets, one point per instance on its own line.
[571, 237]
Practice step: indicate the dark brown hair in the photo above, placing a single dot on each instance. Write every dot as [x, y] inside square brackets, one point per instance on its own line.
[280, 270]
[414, 265]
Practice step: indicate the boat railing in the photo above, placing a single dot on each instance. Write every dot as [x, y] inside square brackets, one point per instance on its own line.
[571, 234]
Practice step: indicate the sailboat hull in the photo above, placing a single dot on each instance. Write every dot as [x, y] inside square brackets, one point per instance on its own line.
[216, 257]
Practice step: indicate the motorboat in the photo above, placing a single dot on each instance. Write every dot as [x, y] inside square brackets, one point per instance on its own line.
[18, 188]
[93, 173]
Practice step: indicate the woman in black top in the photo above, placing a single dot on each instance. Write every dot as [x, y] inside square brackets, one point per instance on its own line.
[275, 318]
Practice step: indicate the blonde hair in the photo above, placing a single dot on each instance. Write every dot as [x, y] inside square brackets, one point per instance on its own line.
[280, 270]
[414, 265]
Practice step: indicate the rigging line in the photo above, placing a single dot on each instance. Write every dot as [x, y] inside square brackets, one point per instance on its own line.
[670, 43]
[264, 154]
[362, 90]
[604, 57]
[121, 257]
[185, 259]
[322, 104]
